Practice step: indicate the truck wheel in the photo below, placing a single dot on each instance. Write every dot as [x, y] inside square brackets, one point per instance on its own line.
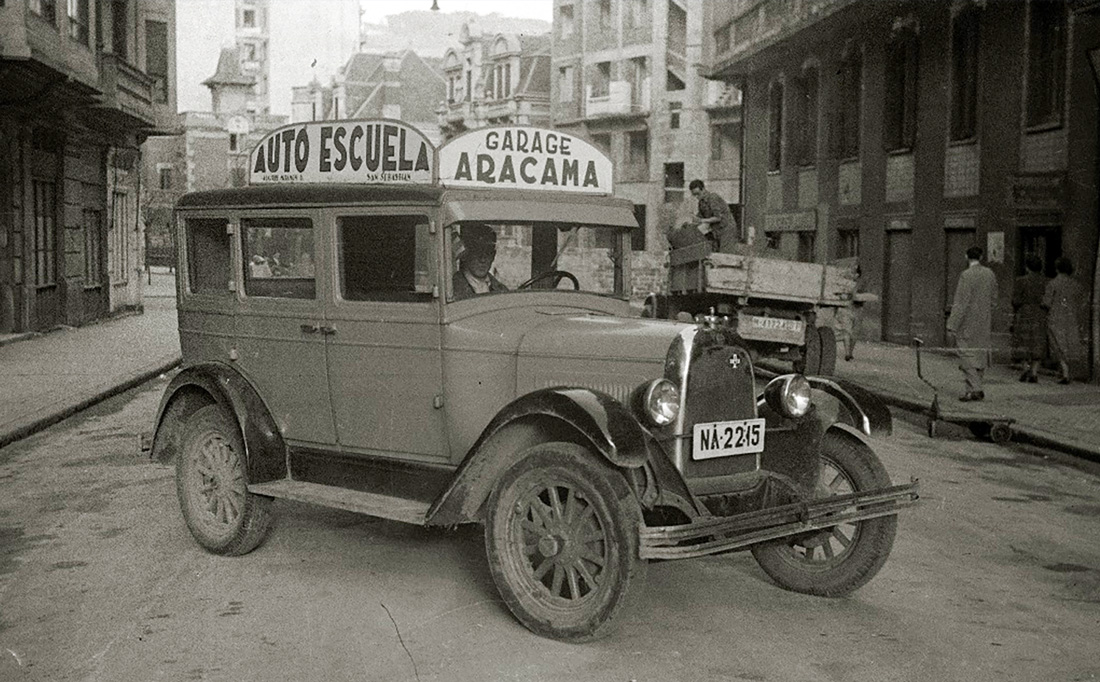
[211, 481]
[811, 353]
[828, 351]
[561, 534]
[835, 561]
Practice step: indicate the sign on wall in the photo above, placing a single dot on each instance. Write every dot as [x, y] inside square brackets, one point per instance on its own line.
[524, 157]
[369, 151]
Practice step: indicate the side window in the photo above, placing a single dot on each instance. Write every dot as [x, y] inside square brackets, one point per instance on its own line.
[385, 258]
[208, 269]
[278, 257]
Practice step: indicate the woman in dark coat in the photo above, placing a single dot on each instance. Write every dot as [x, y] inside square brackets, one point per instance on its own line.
[1062, 300]
[1029, 322]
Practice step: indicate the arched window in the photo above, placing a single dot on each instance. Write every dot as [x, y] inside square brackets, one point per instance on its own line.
[900, 116]
[775, 126]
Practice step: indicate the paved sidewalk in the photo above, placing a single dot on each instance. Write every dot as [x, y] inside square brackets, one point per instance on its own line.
[45, 378]
[1065, 417]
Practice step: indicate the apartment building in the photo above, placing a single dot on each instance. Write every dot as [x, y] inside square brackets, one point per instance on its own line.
[626, 76]
[82, 85]
[903, 132]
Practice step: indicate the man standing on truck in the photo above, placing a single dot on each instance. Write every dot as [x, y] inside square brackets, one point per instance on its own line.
[971, 321]
[715, 219]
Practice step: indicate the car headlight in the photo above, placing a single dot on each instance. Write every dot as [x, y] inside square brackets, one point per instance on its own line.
[661, 402]
[789, 395]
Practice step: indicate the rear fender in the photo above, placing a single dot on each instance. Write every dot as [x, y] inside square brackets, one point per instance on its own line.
[589, 418]
[214, 383]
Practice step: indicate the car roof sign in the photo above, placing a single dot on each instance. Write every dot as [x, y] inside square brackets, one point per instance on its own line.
[364, 151]
[524, 157]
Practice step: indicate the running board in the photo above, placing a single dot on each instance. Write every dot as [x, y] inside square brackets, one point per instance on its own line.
[712, 535]
[372, 504]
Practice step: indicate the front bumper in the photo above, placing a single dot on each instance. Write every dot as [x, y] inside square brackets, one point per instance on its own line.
[713, 535]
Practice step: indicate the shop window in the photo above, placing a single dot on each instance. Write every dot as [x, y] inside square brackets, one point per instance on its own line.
[637, 235]
[1046, 68]
[964, 73]
[47, 9]
[804, 128]
[208, 269]
[45, 232]
[278, 257]
[92, 222]
[78, 21]
[849, 108]
[775, 127]
[385, 258]
[900, 124]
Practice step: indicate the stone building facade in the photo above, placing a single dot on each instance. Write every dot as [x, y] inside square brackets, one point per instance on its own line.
[903, 132]
[82, 85]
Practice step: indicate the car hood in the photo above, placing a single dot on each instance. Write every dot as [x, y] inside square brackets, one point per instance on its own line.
[600, 337]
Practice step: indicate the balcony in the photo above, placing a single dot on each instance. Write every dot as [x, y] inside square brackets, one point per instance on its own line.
[620, 101]
[498, 108]
[127, 90]
[721, 96]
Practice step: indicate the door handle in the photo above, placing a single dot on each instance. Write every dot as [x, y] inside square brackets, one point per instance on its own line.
[310, 329]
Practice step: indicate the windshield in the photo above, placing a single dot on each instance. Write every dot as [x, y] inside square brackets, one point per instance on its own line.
[496, 258]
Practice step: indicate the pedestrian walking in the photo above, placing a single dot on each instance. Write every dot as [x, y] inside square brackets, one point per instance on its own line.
[1029, 328]
[971, 321]
[1063, 297]
[847, 320]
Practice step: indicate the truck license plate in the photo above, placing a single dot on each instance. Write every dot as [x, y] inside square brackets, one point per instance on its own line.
[724, 439]
[775, 329]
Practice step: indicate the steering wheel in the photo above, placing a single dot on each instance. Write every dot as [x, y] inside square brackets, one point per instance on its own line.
[558, 276]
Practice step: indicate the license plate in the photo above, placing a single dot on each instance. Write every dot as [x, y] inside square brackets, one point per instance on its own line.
[724, 439]
[776, 329]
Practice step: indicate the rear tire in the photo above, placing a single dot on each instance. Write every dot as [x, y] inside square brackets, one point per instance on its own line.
[811, 353]
[561, 534]
[828, 351]
[212, 485]
[835, 561]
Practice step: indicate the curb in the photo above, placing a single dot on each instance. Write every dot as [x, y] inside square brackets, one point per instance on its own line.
[96, 396]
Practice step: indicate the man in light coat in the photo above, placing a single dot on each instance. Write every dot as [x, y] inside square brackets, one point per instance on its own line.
[971, 321]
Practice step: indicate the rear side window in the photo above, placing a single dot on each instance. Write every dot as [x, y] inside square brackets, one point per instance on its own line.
[385, 258]
[278, 257]
[208, 269]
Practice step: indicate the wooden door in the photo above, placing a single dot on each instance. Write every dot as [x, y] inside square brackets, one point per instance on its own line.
[897, 306]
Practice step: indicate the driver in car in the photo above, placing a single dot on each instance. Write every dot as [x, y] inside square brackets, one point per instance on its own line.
[479, 243]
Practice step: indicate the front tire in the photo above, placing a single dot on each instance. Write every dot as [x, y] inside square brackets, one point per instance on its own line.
[561, 534]
[836, 561]
[212, 485]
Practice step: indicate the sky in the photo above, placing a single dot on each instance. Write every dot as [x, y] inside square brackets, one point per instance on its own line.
[308, 37]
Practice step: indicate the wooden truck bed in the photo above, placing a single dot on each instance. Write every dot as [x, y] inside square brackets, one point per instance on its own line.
[694, 269]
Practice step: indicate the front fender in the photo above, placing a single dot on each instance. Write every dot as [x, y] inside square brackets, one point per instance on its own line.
[860, 408]
[590, 418]
[203, 384]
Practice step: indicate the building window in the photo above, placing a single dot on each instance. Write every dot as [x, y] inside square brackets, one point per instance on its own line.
[500, 81]
[601, 80]
[604, 14]
[806, 244]
[156, 58]
[901, 92]
[723, 141]
[78, 21]
[233, 142]
[639, 13]
[674, 182]
[804, 128]
[674, 83]
[637, 148]
[849, 108]
[847, 243]
[772, 239]
[639, 83]
[1046, 67]
[722, 36]
[120, 28]
[45, 234]
[248, 18]
[47, 9]
[121, 222]
[565, 84]
[603, 142]
[674, 114]
[565, 21]
[775, 127]
[93, 247]
[637, 235]
[964, 73]
[164, 178]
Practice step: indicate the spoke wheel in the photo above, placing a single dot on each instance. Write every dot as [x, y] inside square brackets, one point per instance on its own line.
[835, 561]
[212, 485]
[561, 535]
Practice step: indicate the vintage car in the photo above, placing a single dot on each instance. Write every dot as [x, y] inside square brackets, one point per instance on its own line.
[444, 336]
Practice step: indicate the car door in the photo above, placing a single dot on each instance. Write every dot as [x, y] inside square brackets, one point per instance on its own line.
[383, 332]
[279, 335]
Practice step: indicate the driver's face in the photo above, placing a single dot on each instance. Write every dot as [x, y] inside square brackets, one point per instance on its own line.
[478, 261]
